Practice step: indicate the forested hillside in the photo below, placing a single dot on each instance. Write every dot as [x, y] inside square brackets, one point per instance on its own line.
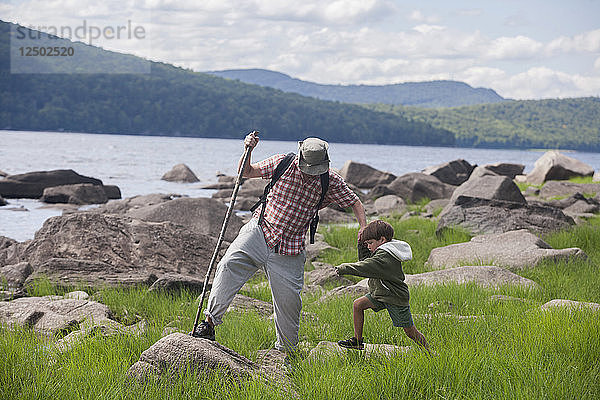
[566, 123]
[419, 94]
[174, 101]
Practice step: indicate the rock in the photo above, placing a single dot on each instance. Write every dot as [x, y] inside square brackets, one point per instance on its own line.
[364, 176]
[272, 363]
[380, 191]
[486, 276]
[50, 315]
[107, 250]
[596, 177]
[77, 295]
[3, 174]
[582, 205]
[325, 275]
[515, 250]
[6, 242]
[564, 189]
[313, 251]
[416, 186]
[202, 215]
[482, 216]
[103, 328]
[556, 166]
[177, 353]
[14, 276]
[504, 169]
[436, 205]
[243, 304]
[358, 289]
[132, 203]
[32, 184]
[329, 216]
[490, 187]
[453, 172]
[327, 350]
[180, 173]
[173, 282]
[2, 201]
[390, 204]
[112, 192]
[245, 203]
[570, 304]
[251, 189]
[218, 186]
[83, 193]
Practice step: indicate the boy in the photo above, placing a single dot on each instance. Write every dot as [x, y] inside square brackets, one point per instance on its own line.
[381, 261]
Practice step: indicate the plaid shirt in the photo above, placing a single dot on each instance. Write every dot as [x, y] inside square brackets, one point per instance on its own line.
[292, 203]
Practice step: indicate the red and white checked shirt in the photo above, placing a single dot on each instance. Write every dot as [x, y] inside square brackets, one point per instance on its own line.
[292, 203]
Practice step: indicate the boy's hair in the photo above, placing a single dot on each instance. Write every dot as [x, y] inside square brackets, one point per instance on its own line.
[376, 230]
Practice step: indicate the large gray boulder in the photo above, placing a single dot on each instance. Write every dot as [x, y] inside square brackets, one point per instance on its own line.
[133, 203]
[453, 172]
[482, 216]
[416, 186]
[516, 250]
[554, 165]
[390, 204]
[490, 187]
[82, 193]
[2, 201]
[358, 289]
[50, 315]
[32, 184]
[485, 276]
[180, 173]
[596, 177]
[364, 176]
[106, 250]
[250, 188]
[202, 215]
[564, 189]
[177, 353]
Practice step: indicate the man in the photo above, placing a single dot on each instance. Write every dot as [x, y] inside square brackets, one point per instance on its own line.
[277, 244]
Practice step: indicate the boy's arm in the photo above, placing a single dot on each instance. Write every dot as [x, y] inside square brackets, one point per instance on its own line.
[372, 267]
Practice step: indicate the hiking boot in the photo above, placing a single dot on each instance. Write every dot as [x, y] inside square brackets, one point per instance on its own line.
[204, 330]
[352, 343]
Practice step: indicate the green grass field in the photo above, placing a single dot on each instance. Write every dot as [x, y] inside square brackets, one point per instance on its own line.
[512, 350]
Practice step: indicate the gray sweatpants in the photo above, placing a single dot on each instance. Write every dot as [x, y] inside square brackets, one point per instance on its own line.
[243, 258]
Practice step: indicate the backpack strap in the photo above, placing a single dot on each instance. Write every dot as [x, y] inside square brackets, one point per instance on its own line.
[315, 221]
[283, 165]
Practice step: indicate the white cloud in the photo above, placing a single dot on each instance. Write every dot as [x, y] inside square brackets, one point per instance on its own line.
[543, 82]
[585, 42]
[519, 47]
[418, 16]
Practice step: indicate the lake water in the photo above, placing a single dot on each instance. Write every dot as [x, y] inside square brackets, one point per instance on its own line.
[136, 163]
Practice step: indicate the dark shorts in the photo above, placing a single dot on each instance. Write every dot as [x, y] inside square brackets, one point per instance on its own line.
[400, 315]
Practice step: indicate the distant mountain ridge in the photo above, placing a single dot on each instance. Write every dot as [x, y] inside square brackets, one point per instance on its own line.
[170, 101]
[420, 94]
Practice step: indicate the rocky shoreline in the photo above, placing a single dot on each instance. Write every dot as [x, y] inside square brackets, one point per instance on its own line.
[165, 241]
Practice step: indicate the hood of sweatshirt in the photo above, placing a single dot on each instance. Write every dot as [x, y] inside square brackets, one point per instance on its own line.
[397, 248]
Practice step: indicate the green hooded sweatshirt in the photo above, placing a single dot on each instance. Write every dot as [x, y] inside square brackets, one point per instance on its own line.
[384, 270]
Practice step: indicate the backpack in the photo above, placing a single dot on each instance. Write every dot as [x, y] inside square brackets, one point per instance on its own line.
[283, 165]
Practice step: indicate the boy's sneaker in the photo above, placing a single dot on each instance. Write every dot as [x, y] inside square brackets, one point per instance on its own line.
[204, 330]
[352, 343]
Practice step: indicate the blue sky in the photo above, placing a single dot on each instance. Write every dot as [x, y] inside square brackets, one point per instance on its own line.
[527, 49]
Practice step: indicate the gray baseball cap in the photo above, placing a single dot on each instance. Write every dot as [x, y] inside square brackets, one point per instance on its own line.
[313, 158]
